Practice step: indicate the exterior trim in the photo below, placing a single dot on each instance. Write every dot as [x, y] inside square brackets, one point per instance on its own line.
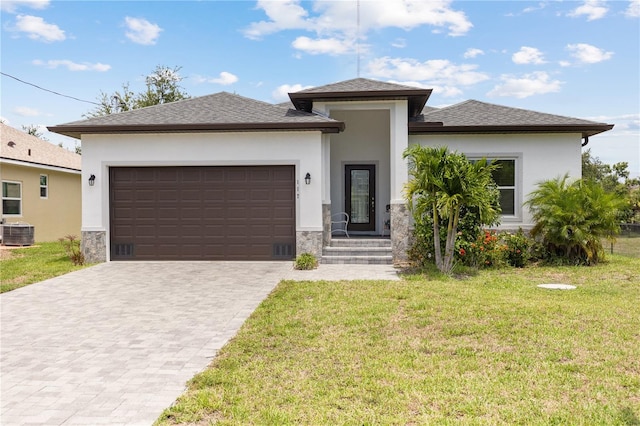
[38, 165]
[416, 128]
[75, 131]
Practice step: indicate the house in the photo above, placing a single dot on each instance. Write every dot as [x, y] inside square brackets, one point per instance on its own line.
[40, 185]
[227, 177]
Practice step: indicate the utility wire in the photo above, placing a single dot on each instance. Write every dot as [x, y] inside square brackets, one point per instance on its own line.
[47, 90]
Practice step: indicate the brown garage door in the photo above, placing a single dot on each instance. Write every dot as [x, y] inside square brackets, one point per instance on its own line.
[202, 213]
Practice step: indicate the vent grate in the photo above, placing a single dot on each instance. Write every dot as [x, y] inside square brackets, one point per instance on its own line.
[122, 250]
[282, 251]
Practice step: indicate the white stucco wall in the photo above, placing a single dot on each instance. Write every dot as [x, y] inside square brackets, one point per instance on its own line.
[301, 149]
[538, 157]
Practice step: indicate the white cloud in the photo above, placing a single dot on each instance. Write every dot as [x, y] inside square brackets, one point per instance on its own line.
[588, 54]
[330, 46]
[335, 21]
[37, 29]
[399, 43]
[536, 83]
[225, 79]
[593, 9]
[11, 6]
[72, 66]
[440, 74]
[281, 94]
[26, 111]
[528, 55]
[142, 31]
[472, 53]
[633, 11]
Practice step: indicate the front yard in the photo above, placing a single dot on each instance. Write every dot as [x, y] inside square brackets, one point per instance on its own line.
[490, 348]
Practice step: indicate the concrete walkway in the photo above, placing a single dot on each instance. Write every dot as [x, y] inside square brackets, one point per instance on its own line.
[117, 342]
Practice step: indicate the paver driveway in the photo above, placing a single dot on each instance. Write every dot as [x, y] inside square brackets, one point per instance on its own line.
[116, 343]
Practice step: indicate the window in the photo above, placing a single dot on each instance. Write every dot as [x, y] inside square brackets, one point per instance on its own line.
[505, 178]
[44, 186]
[11, 198]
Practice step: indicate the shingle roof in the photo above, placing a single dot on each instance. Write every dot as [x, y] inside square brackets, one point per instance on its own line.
[475, 116]
[20, 146]
[361, 89]
[218, 112]
[359, 85]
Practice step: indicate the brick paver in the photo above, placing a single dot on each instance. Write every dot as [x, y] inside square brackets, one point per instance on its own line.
[117, 342]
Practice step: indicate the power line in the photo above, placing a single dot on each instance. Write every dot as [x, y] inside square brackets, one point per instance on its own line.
[47, 90]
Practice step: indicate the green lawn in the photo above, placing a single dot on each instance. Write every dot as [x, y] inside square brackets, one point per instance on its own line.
[489, 348]
[24, 266]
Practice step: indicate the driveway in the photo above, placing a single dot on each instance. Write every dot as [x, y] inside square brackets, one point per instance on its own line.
[117, 342]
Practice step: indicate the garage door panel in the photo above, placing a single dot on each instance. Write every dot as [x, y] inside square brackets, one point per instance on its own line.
[199, 213]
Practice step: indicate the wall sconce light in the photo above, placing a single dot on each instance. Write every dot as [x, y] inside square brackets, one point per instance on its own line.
[307, 178]
[92, 180]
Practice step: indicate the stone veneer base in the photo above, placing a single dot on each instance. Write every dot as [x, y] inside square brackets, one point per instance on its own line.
[94, 246]
[400, 233]
[309, 242]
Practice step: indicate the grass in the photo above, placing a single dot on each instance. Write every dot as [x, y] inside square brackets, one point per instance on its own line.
[487, 348]
[24, 266]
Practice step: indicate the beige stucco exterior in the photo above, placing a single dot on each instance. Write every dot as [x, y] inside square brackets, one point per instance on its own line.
[53, 217]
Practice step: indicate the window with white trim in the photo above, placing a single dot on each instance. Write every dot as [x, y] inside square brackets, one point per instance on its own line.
[44, 186]
[11, 198]
[505, 179]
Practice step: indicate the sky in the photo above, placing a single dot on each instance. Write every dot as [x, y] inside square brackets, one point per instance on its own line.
[572, 58]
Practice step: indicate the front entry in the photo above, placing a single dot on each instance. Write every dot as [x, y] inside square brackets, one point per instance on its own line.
[360, 191]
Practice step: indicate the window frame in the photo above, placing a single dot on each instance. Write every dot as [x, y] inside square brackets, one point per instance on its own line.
[45, 186]
[19, 199]
[517, 180]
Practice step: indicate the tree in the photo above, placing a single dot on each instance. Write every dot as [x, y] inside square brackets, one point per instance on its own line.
[161, 87]
[442, 183]
[573, 217]
[34, 130]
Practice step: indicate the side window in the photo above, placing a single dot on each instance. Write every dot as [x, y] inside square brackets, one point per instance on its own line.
[505, 178]
[44, 186]
[11, 198]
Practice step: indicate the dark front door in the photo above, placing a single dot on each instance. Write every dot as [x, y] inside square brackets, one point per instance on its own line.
[360, 191]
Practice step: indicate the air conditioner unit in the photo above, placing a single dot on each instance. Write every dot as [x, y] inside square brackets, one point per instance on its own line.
[17, 234]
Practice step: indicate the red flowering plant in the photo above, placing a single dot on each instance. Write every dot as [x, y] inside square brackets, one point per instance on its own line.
[485, 251]
[518, 248]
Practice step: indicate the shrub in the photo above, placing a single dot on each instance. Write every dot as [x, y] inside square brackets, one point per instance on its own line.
[485, 251]
[306, 261]
[518, 246]
[72, 247]
[572, 218]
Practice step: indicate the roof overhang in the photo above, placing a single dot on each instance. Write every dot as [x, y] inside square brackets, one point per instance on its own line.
[41, 166]
[76, 131]
[417, 98]
[585, 130]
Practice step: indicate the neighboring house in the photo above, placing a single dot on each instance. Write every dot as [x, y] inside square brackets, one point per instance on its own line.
[227, 177]
[40, 185]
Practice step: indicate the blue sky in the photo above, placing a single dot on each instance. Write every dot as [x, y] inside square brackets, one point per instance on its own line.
[575, 58]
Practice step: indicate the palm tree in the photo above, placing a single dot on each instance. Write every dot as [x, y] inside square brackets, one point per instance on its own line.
[441, 182]
[573, 217]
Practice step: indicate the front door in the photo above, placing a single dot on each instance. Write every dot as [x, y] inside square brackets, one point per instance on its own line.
[360, 191]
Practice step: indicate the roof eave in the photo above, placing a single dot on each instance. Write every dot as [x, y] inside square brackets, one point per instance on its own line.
[417, 98]
[76, 131]
[585, 129]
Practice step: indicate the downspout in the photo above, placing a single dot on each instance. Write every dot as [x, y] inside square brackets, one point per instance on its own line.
[586, 141]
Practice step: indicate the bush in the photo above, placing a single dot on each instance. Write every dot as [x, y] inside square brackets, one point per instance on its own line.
[485, 251]
[306, 261]
[572, 218]
[518, 248]
[72, 247]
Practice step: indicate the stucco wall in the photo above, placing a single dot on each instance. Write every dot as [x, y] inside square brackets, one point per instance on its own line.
[301, 149]
[53, 217]
[539, 157]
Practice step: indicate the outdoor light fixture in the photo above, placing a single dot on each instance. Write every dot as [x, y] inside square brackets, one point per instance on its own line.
[307, 179]
[92, 180]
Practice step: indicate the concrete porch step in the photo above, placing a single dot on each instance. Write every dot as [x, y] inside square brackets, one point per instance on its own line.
[367, 251]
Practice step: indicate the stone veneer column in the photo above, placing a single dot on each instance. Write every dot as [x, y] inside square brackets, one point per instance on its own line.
[309, 242]
[94, 246]
[399, 232]
[326, 224]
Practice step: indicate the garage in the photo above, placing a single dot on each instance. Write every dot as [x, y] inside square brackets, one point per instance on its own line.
[202, 213]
